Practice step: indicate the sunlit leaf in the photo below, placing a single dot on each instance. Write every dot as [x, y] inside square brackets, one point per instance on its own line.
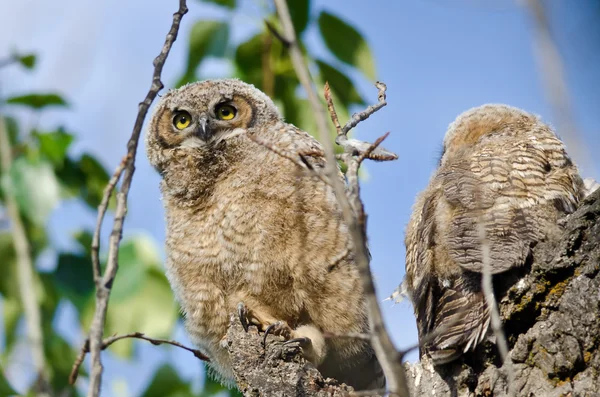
[207, 38]
[167, 383]
[28, 61]
[300, 12]
[35, 187]
[5, 387]
[224, 3]
[136, 256]
[37, 101]
[340, 84]
[346, 43]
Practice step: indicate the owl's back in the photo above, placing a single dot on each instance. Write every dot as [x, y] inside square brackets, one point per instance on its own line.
[503, 173]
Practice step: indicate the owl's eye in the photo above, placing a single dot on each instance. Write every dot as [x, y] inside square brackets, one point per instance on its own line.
[225, 112]
[181, 120]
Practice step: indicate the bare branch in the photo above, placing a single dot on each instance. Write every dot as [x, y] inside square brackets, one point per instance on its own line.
[27, 287]
[381, 341]
[126, 169]
[85, 349]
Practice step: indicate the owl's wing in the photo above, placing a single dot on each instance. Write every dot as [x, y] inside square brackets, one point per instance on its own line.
[514, 191]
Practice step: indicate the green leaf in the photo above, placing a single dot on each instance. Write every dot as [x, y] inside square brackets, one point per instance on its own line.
[340, 84]
[167, 383]
[61, 356]
[5, 387]
[84, 238]
[74, 278]
[95, 176]
[136, 256]
[27, 61]
[223, 3]
[13, 312]
[248, 60]
[54, 145]
[35, 187]
[300, 13]
[37, 101]
[346, 43]
[207, 38]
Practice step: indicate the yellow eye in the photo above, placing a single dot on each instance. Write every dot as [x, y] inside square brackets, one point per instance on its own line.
[181, 120]
[225, 112]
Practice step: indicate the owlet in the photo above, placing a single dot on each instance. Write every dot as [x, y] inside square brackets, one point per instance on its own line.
[248, 230]
[505, 177]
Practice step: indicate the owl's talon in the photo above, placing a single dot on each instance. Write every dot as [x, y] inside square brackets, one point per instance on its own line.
[243, 315]
[303, 341]
[280, 328]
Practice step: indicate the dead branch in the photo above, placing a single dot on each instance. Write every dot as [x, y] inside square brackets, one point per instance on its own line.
[381, 341]
[85, 349]
[126, 169]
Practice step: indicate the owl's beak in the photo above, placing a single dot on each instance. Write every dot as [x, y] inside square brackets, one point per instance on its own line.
[203, 132]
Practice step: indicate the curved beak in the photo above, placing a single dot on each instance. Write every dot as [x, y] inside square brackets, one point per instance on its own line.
[203, 132]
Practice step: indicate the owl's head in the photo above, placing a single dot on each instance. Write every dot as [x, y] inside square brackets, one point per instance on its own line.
[199, 119]
[473, 125]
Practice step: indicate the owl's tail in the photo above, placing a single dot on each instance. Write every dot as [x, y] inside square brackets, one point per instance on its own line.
[462, 322]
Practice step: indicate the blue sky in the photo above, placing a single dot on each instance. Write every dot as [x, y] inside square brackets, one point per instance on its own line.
[437, 57]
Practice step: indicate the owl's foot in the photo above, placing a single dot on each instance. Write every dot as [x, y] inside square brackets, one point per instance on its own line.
[257, 317]
[243, 315]
[280, 328]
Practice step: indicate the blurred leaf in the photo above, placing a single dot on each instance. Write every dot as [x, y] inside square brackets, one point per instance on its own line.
[223, 3]
[96, 179]
[28, 61]
[35, 187]
[136, 256]
[61, 355]
[340, 84]
[212, 387]
[84, 238]
[13, 130]
[300, 13]
[207, 38]
[167, 383]
[5, 388]
[13, 312]
[346, 43]
[54, 145]
[37, 101]
[74, 278]
[248, 60]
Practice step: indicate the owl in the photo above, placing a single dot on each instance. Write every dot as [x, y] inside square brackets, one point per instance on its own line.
[252, 232]
[504, 176]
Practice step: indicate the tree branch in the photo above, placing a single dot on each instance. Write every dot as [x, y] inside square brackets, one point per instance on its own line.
[85, 349]
[26, 281]
[381, 341]
[126, 169]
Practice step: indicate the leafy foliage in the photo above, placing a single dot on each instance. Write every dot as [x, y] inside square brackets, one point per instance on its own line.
[44, 173]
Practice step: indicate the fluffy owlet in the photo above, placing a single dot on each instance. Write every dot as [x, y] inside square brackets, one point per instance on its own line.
[249, 230]
[503, 172]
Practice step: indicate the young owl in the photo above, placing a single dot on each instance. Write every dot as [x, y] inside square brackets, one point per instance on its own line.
[502, 171]
[249, 230]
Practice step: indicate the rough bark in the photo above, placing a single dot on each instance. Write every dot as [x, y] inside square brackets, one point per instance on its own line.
[552, 321]
[275, 369]
[551, 317]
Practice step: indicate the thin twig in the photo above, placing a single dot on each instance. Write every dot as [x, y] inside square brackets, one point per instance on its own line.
[552, 71]
[104, 282]
[349, 335]
[27, 287]
[85, 349]
[490, 300]
[381, 341]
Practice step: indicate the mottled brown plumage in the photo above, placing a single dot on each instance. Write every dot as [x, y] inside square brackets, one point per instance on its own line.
[247, 225]
[501, 167]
